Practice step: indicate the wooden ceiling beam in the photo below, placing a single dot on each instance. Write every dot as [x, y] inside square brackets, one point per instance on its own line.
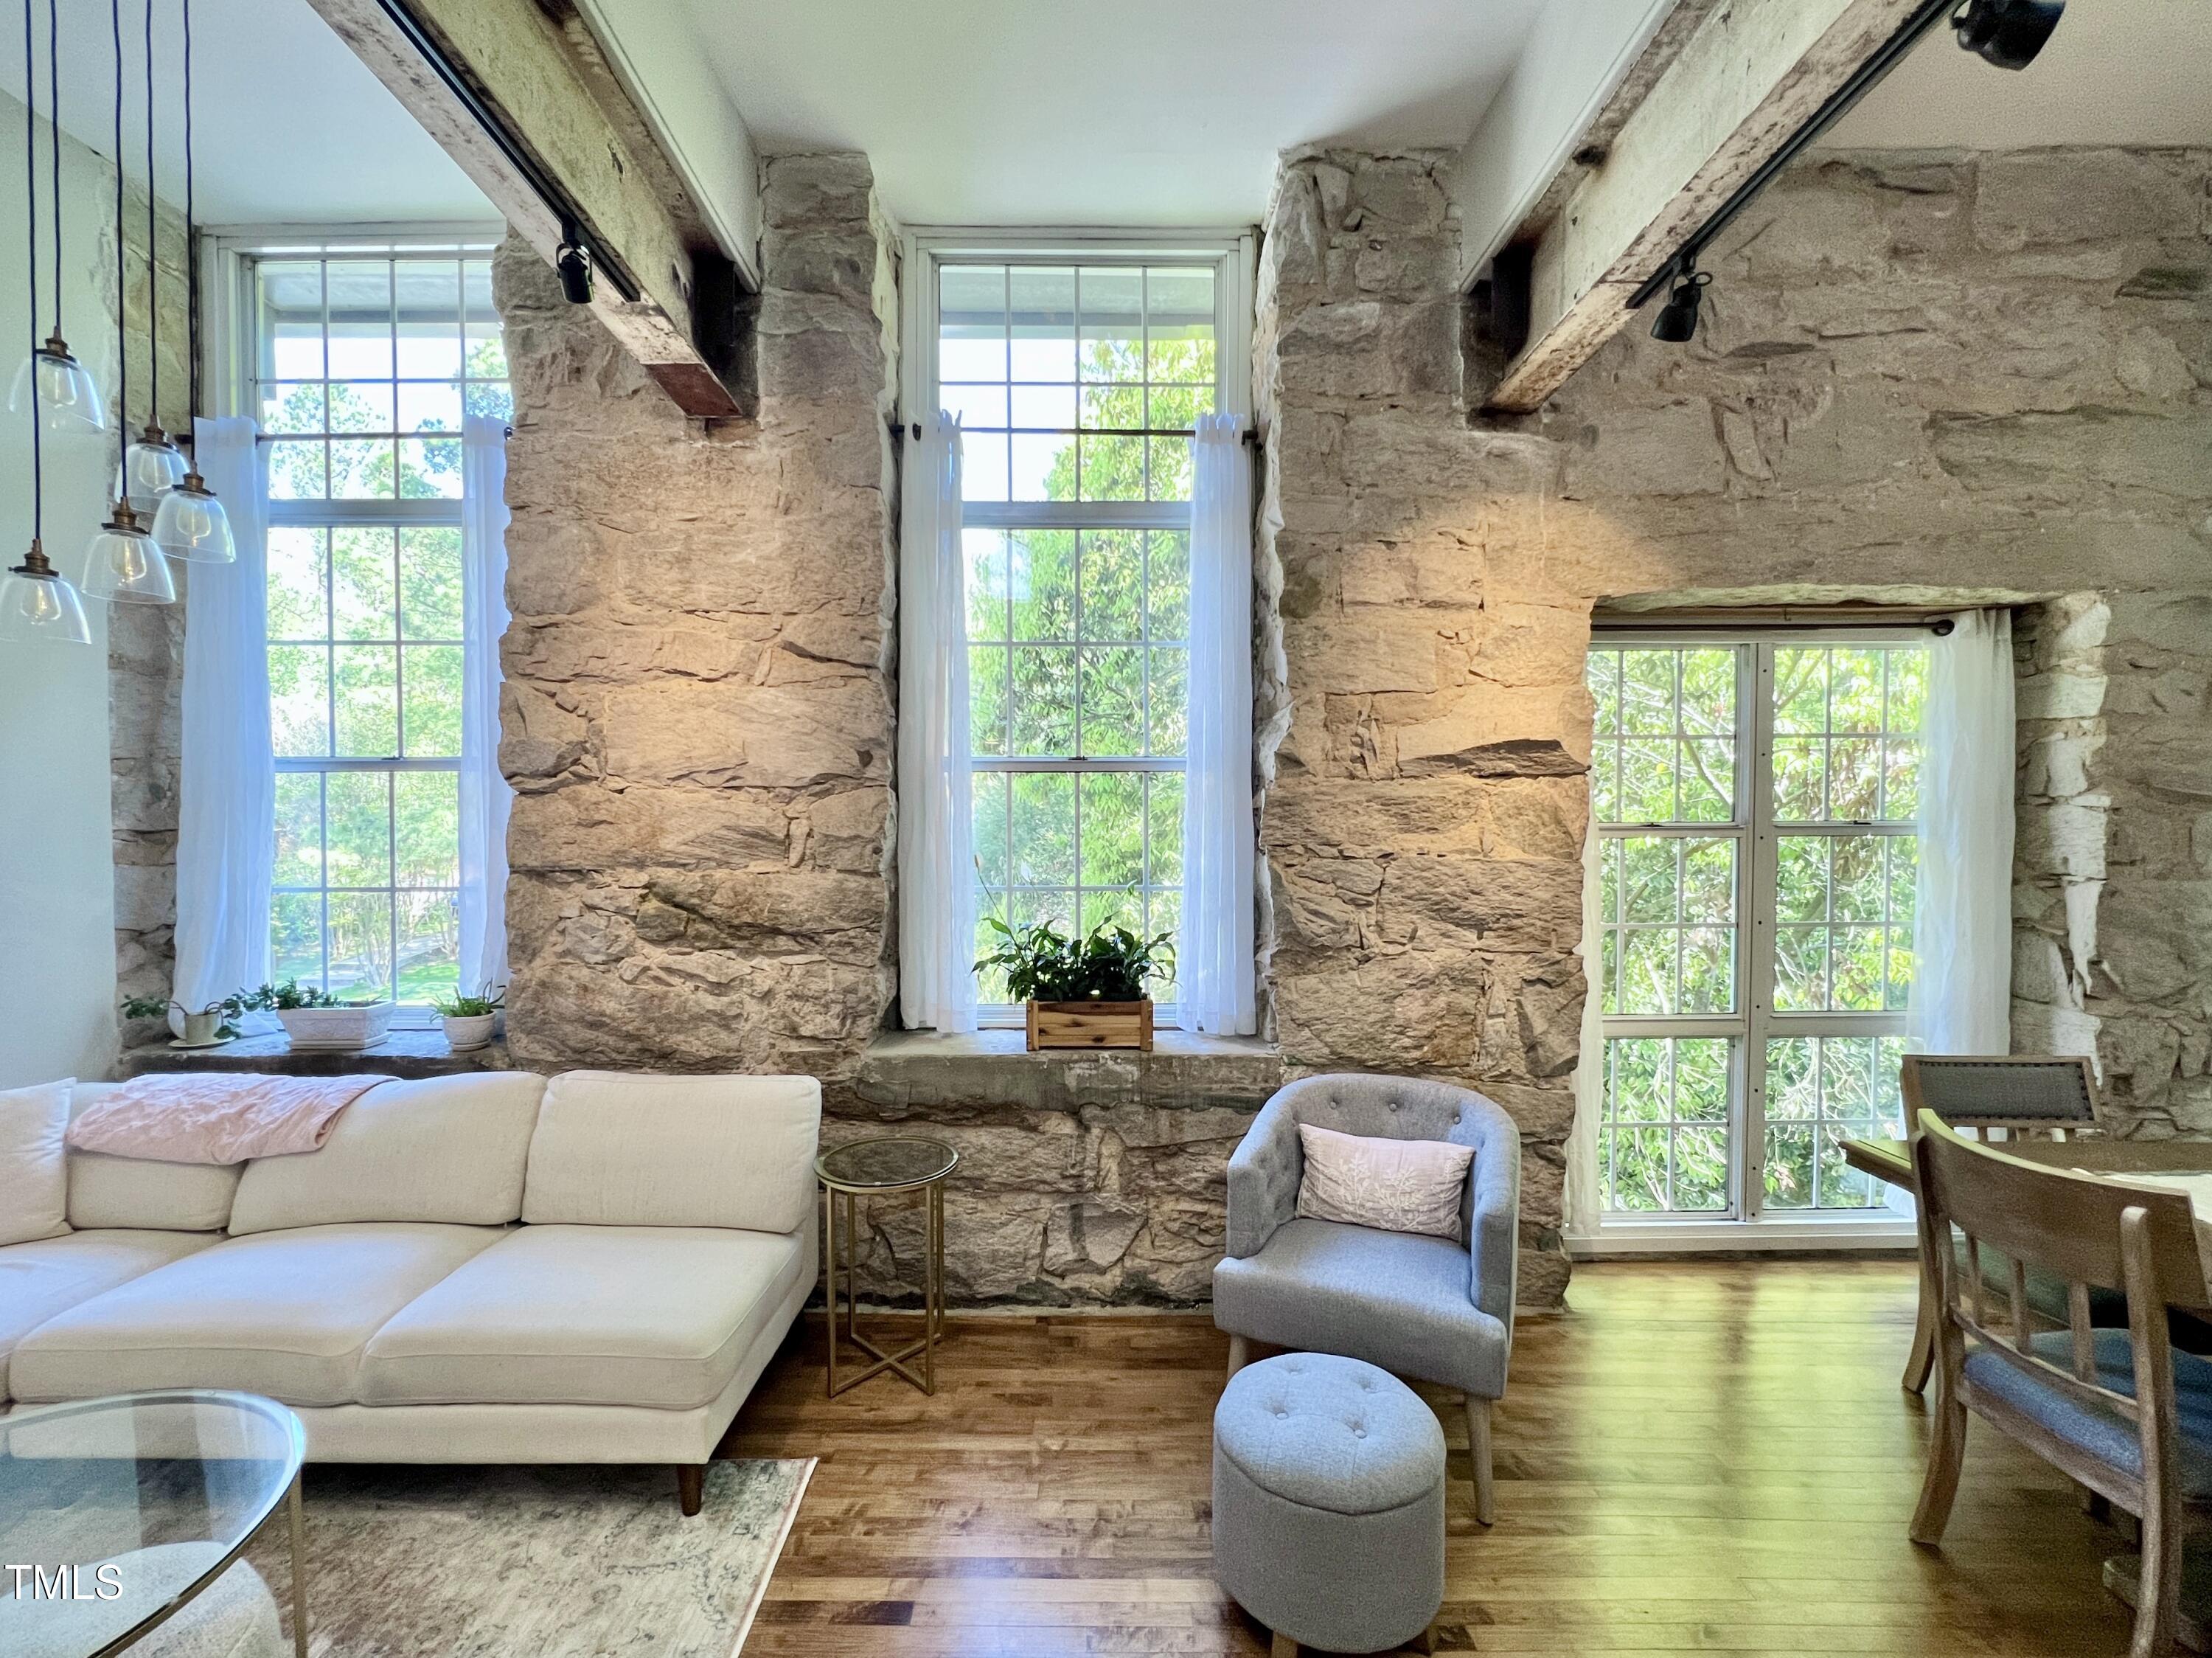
[1747, 78]
[551, 133]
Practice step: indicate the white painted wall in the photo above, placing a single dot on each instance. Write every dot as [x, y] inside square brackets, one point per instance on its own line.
[1575, 55]
[57, 876]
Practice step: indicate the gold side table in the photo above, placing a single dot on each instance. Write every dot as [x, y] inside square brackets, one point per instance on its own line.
[881, 1167]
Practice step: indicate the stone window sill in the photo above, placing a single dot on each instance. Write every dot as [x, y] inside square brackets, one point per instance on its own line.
[402, 1053]
[920, 1070]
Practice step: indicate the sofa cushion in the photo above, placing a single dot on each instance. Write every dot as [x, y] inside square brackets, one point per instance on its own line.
[50, 1276]
[448, 1149]
[622, 1149]
[285, 1313]
[652, 1315]
[137, 1191]
[33, 1171]
[1392, 1298]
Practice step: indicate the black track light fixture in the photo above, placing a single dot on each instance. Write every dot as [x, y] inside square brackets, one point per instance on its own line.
[572, 260]
[2007, 33]
[1677, 321]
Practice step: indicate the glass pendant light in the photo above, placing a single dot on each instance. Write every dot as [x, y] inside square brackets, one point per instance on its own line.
[125, 564]
[35, 602]
[151, 467]
[191, 523]
[65, 392]
[50, 379]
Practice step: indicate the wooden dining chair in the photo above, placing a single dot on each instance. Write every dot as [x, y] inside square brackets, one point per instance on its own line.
[2015, 1094]
[2121, 1411]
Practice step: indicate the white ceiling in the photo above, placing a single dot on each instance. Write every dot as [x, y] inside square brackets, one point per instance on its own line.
[1136, 112]
[2115, 71]
[288, 126]
[1011, 111]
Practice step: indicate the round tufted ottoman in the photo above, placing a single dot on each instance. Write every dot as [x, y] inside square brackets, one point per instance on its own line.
[1328, 1503]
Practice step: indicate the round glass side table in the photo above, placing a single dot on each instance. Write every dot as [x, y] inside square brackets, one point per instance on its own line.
[116, 1513]
[878, 1168]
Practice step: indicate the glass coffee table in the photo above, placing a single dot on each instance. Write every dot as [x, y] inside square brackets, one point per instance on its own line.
[872, 1168]
[116, 1513]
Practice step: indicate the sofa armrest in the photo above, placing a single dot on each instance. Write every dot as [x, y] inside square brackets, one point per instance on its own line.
[1264, 1172]
[1493, 1210]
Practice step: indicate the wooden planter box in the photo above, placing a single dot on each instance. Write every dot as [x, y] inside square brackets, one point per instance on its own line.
[1091, 1025]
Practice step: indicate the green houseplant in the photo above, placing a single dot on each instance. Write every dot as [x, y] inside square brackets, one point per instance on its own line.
[1087, 992]
[471, 1020]
[202, 1026]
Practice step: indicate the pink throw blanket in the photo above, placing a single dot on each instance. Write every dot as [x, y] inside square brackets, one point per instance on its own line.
[194, 1119]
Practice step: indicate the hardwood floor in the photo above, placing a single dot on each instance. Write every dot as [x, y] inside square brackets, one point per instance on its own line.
[1709, 1457]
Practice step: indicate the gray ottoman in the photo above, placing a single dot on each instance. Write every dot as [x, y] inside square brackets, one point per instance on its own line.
[1328, 1503]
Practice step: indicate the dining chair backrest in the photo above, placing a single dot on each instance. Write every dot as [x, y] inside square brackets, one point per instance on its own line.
[2093, 1233]
[2014, 1092]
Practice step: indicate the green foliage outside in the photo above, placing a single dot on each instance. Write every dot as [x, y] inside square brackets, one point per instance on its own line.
[365, 661]
[1847, 721]
[1096, 620]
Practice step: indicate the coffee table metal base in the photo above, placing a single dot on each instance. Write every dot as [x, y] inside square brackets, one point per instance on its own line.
[901, 1360]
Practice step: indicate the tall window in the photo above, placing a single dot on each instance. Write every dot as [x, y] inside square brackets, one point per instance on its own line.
[1076, 382]
[362, 365]
[1757, 858]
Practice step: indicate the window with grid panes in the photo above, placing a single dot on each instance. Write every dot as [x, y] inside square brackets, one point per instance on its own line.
[1077, 383]
[1756, 804]
[363, 364]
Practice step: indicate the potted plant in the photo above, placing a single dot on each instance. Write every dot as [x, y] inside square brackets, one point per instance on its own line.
[469, 1019]
[1086, 992]
[317, 1020]
[202, 1028]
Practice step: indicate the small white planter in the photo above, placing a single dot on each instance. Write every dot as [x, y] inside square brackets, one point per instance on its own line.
[468, 1034]
[335, 1030]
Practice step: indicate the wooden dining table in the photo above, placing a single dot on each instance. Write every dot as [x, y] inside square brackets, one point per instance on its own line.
[2174, 1165]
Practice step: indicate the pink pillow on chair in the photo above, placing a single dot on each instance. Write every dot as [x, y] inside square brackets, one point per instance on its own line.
[1393, 1186]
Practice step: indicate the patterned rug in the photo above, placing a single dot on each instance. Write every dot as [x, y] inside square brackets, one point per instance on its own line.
[533, 1563]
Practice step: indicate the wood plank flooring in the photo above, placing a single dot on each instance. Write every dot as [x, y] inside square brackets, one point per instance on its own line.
[1698, 1457]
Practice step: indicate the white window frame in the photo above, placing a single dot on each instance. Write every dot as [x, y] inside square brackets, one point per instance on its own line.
[232, 357]
[1234, 255]
[1746, 1224]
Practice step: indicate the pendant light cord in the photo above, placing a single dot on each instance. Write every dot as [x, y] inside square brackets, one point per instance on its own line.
[191, 255]
[122, 320]
[54, 116]
[31, 197]
[153, 247]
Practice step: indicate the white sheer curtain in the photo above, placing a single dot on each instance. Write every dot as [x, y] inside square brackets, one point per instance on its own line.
[1585, 1180]
[1962, 926]
[1215, 967]
[227, 794]
[936, 812]
[485, 796]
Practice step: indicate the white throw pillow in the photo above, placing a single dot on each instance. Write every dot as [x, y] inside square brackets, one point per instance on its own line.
[1393, 1186]
[34, 1167]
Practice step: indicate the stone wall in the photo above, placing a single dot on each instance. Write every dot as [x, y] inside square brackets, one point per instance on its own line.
[146, 643]
[1939, 378]
[697, 711]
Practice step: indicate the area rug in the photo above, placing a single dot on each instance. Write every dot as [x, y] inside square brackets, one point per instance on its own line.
[534, 1562]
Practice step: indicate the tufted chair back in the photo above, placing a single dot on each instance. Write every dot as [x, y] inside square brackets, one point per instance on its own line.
[1395, 1108]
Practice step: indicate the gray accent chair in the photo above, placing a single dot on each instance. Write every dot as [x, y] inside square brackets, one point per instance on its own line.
[1437, 1309]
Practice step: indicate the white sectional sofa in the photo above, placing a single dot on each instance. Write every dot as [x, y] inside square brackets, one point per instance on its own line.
[497, 1267]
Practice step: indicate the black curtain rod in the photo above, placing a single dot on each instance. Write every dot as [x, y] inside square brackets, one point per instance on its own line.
[901, 428]
[1861, 81]
[542, 184]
